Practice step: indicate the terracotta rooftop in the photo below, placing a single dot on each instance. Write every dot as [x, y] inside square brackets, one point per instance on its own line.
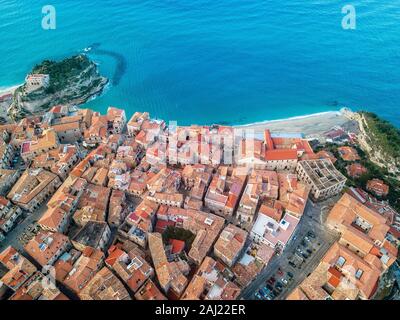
[149, 291]
[53, 218]
[131, 266]
[36, 289]
[104, 286]
[345, 212]
[168, 274]
[19, 268]
[45, 246]
[356, 170]
[209, 283]
[378, 187]
[30, 184]
[230, 242]
[348, 153]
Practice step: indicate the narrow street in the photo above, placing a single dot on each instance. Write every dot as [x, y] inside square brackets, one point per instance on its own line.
[313, 220]
[13, 237]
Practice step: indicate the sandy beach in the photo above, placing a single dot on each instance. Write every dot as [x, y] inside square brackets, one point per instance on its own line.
[8, 90]
[309, 125]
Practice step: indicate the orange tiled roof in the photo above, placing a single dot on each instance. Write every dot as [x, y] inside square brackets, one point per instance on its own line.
[46, 245]
[53, 218]
[280, 154]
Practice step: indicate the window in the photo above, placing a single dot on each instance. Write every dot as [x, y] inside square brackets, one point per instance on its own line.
[359, 273]
[340, 261]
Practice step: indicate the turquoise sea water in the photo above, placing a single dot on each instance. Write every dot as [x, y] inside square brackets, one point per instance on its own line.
[226, 61]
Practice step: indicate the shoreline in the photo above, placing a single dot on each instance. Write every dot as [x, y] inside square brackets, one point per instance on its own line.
[11, 89]
[309, 125]
[294, 118]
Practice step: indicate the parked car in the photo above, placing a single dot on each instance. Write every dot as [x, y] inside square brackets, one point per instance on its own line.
[290, 275]
[299, 257]
[264, 292]
[311, 234]
[271, 280]
[291, 263]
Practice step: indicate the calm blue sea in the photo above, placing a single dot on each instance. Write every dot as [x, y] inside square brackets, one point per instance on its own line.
[218, 61]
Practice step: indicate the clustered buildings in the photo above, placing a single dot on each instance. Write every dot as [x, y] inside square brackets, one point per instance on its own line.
[352, 267]
[139, 210]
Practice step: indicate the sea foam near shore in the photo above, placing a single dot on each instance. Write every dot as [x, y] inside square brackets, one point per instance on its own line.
[307, 116]
[6, 90]
[310, 124]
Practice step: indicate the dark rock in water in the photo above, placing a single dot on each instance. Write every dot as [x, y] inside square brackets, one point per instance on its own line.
[120, 60]
[224, 123]
[334, 103]
[95, 45]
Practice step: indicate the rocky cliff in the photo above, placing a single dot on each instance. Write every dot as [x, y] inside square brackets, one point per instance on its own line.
[73, 81]
[380, 140]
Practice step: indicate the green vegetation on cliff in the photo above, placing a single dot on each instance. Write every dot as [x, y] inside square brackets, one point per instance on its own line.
[384, 139]
[373, 171]
[73, 81]
[383, 135]
[62, 72]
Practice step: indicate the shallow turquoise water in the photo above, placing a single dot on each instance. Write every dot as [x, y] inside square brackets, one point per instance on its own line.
[226, 61]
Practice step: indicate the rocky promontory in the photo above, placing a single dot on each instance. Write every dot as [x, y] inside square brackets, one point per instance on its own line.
[72, 81]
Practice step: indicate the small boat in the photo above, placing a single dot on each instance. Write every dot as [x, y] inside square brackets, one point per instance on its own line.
[87, 49]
